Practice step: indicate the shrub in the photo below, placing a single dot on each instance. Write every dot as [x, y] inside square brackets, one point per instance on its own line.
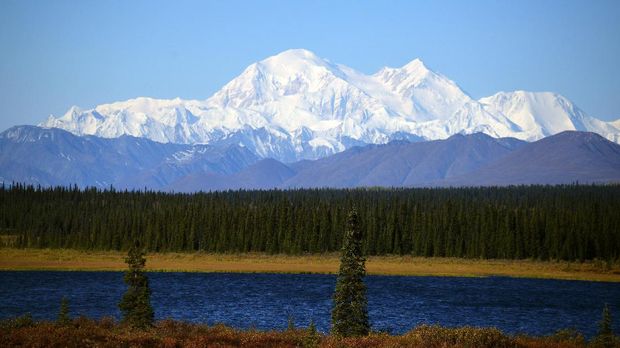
[437, 336]
[17, 322]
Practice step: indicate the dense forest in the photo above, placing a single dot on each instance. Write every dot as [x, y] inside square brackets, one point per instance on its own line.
[542, 222]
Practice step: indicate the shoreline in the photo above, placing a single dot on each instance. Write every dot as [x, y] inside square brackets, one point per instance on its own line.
[77, 260]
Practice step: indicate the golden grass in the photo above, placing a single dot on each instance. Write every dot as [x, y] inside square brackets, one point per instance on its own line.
[73, 260]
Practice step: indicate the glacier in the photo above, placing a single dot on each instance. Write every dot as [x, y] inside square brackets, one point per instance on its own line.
[296, 105]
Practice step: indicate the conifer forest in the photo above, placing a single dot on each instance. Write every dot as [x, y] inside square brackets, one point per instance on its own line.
[571, 222]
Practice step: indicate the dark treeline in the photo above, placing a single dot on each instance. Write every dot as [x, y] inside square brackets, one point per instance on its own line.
[542, 222]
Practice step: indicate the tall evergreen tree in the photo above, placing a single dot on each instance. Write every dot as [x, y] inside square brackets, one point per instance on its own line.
[63, 314]
[605, 336]
[605, 323]
[136, 303]
[350, 311]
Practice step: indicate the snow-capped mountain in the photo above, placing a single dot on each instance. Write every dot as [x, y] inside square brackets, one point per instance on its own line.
[296, 105]
[542, 114]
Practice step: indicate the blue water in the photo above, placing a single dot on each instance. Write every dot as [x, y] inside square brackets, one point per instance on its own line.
[265, 301]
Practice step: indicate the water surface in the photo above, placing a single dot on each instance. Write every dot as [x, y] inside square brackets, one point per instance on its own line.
[265, 301]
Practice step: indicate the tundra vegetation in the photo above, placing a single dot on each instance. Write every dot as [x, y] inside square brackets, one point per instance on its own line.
[106, 332]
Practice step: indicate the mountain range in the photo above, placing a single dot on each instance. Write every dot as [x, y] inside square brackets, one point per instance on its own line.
[296, 105]
[51, 156]
[296, 120]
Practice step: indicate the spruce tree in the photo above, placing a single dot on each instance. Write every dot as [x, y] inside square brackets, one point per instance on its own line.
[136, 303]
[605, 324]
[312, 338]
[605, 336]
[350, 311]
[290, 323]
[63, 315]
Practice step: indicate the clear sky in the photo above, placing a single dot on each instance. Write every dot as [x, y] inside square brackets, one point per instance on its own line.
[54, 54]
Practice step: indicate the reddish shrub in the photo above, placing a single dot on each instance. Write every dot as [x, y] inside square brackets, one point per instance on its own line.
[168, 333]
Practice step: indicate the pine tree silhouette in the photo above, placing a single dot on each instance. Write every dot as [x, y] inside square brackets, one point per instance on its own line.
[605, 336]
[63, 315]
[350, 311]
[136, 303]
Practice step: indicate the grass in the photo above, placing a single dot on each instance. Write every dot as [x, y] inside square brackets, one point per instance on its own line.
[75, 260]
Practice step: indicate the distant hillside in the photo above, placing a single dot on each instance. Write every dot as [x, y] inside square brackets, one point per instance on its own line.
[564, 158]
[461, 160]
[51, 157]
[404, 164]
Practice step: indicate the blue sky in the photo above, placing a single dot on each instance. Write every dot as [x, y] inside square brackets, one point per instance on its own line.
[54, 54]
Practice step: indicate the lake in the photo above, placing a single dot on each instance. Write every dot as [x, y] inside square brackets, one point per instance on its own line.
[265, 301]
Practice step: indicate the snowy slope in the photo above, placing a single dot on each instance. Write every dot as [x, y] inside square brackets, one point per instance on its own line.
[296, 105]
[539, 115]
[428, 95]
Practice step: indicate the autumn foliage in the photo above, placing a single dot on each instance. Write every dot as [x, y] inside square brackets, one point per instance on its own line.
[84, 332]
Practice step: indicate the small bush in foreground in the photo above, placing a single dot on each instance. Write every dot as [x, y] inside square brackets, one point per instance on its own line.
[437, 336]
[17, 322]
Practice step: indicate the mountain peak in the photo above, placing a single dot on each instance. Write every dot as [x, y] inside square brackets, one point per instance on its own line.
[432, 95]
[72, 112]
[416, 65]
[521, 94]
[293, 59]
[296, 53]
[294, 72]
